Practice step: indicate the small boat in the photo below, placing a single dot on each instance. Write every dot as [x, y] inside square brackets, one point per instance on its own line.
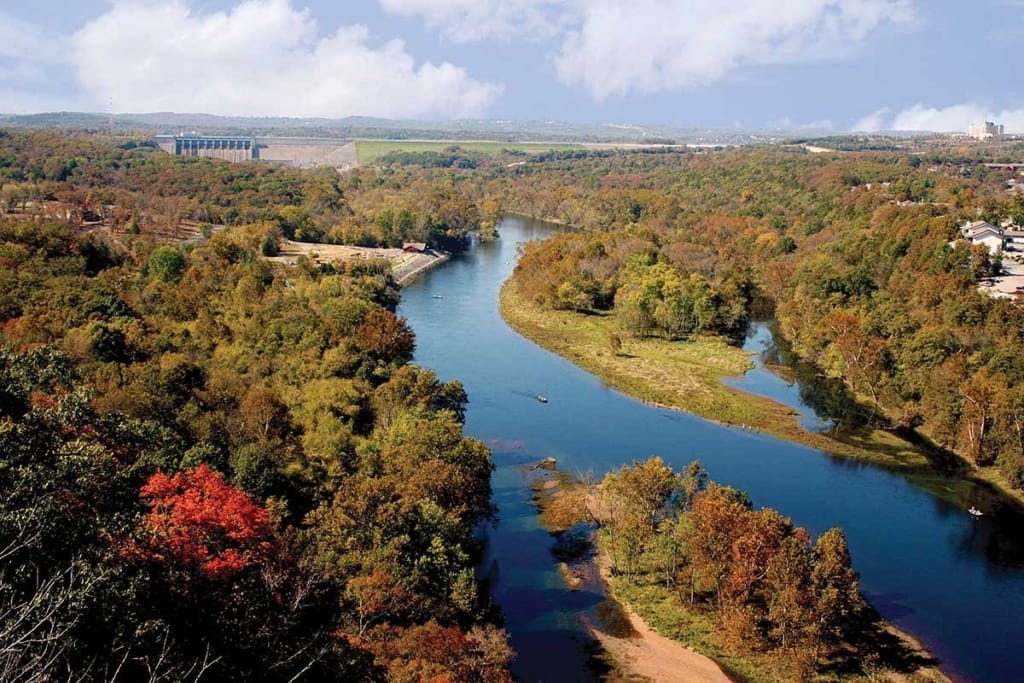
[542, 399]
[438, 296]
[974, 512]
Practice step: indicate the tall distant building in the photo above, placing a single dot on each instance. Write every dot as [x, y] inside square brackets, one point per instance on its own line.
[985, 131]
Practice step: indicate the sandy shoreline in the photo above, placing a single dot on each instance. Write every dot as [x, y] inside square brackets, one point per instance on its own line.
[650, 655]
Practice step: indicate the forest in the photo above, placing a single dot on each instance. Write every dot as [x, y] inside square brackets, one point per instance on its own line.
[215, 466]
[132, 188]
[853, 254]
[212, 468]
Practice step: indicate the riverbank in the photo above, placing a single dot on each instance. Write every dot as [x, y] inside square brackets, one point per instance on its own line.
[409, 269]
[647, 629]
[645, 654]
[687, 376]
[658, 612]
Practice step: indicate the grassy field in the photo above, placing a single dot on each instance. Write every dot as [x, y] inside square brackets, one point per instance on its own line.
[369, 151]
[687, 374]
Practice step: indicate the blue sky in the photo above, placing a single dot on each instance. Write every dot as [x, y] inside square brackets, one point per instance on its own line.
[841, 64]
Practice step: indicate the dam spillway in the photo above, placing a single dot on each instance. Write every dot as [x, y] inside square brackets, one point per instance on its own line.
[293, 151]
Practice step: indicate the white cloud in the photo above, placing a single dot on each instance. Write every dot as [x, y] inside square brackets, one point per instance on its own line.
[24, 42]
[612, 47]
[263, 57]
[466, 21]
[657, 45]
[875, 121]
[952, 119]
[31, 61]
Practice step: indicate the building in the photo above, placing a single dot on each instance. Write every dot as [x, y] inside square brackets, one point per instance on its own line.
[225, 147]
[985, 131]
[1013, 238]
[292, 151]
[983, 232]
[414, 247]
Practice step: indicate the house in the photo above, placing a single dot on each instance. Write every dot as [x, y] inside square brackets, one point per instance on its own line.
[983, 232]
[1013, 238]
[414, 247]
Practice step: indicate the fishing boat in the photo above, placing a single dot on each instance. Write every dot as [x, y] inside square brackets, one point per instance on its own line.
[974, 512]
[542, 399]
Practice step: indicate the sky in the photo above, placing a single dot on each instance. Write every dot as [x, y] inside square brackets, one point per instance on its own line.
[862, 65]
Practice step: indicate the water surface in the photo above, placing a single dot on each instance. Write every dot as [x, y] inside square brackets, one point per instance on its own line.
[954, 582]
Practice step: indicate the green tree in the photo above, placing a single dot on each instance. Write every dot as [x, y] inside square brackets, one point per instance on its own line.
[166, 263]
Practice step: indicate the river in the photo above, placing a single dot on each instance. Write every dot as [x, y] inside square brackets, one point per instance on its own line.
[955, 582]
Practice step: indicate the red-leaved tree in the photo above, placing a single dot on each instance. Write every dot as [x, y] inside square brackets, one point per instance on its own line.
[199, 523]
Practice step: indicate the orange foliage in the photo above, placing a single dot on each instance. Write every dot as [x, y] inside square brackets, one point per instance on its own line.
[200, 523]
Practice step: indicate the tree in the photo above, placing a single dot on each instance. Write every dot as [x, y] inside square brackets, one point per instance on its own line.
[860, 352]
[837, 594]
[752, 552]
[630, 505]
[648, 487]
[982, 394]
[378, 598]
[199, 525]
[264, 416]
[385, 337]
[614, 343]
[166, 263]
[719, 516]
[791, 600]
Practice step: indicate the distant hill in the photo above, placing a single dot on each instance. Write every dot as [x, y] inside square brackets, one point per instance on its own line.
[368, 127]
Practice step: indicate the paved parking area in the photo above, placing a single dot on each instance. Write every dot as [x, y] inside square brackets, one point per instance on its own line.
[1012, 281]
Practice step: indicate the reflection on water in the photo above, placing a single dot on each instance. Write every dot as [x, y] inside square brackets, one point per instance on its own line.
[823, 403]
[954, 581]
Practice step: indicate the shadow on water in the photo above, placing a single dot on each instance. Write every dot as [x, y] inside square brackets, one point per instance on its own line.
[804, 387]
[825, 403]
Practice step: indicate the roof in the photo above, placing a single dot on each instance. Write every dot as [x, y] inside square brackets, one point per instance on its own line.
[984, 235]
[980, 230]
[419, 246]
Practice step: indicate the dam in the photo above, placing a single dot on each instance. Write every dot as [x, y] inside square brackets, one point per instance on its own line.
[303, 152]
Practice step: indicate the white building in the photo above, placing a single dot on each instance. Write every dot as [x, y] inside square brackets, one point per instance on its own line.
[985, 131]
[983, 232]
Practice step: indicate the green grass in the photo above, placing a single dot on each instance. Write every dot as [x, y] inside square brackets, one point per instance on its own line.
[698, 629]
[666, 614]
[369, 151]
[687, 375]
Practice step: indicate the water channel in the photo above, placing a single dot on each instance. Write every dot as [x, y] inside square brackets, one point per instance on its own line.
[955, 582]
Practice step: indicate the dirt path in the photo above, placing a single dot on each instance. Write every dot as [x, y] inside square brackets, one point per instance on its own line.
[651, 655]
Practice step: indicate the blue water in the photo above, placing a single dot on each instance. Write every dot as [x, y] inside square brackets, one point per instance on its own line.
[762, 381]
[955, 582]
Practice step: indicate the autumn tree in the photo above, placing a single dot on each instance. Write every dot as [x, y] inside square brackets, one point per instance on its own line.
[385, 337]
[199, 525]
[629, 506]
[718, 517]
[839, 605]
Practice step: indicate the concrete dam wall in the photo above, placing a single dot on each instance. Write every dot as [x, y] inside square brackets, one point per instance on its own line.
[294, 151]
